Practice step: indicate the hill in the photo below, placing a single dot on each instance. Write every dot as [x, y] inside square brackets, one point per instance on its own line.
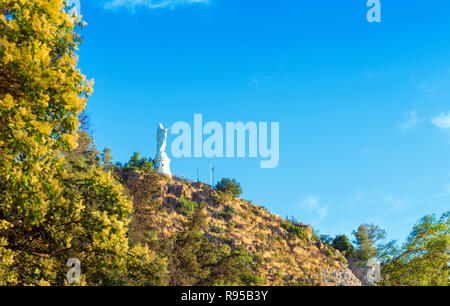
[285, 253]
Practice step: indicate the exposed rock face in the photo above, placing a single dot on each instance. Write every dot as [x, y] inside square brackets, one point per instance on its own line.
[341, 277]
[360, 271]
[282, 259]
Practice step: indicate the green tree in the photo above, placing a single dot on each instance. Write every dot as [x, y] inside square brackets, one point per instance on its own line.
[186, 207]
[231, 186]
[295, 230]
[341, 243]
[137, 163]
[424, 258]
[326, 239]
[366, 237]
[107, 159]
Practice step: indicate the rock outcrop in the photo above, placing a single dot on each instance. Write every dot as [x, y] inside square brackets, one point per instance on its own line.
[339, 277]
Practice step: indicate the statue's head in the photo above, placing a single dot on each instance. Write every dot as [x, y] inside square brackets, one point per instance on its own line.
[160, 126]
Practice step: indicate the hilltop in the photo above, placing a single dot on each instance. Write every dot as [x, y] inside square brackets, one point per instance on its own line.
[286, 253]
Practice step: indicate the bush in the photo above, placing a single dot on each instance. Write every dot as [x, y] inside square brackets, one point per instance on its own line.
[186, 207]
[342, 244]
[342, 259]
[227, 185]
[295, 231]
[249, 279]
[230, 209]
[216, 229]
[227, 213]
[223, 197]
[229, 241]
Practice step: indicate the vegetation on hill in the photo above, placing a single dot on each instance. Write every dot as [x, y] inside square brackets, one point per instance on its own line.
[247, 237]
[231, 186]
[423, 260]
[60, 198]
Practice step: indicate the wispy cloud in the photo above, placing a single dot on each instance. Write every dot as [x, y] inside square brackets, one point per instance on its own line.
[446, 192]
[151, 4]
[410, 122]
[312, 205]
[388, 202]
[442, 121]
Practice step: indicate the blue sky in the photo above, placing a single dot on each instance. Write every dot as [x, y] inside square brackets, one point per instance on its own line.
[364, 108]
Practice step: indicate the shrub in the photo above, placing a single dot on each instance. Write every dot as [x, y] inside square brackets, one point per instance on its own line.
[342, 259]
[186, 207]
[244, 215]
[230, 186]
[295, 231]
[223, 197]
[342, 244]
[227, 213]
[249, 279]
[229, 241]
[216, 229]
[230, 209]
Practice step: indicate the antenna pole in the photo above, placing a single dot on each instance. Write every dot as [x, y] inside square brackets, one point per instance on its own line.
[210, 175]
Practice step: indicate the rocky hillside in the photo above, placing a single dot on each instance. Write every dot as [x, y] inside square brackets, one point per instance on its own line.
[283, 257]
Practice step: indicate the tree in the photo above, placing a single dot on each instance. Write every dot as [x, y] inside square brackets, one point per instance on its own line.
[424, 258]
[85, 122]
[57, 200]
[366, 238]
[137, 163]
[227, 185]
[326, 239]
[341, 243]
[107, 159]
[41, 95]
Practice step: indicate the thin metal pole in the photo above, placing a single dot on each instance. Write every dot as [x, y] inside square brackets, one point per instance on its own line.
[210, 174]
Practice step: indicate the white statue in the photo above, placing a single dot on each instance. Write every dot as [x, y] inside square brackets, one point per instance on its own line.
[162, 161]
[161, 138]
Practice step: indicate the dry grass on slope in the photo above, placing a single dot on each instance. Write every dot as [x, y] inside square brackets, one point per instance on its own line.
[283, 258]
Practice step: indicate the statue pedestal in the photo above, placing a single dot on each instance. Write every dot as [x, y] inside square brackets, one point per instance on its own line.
[162, 163]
